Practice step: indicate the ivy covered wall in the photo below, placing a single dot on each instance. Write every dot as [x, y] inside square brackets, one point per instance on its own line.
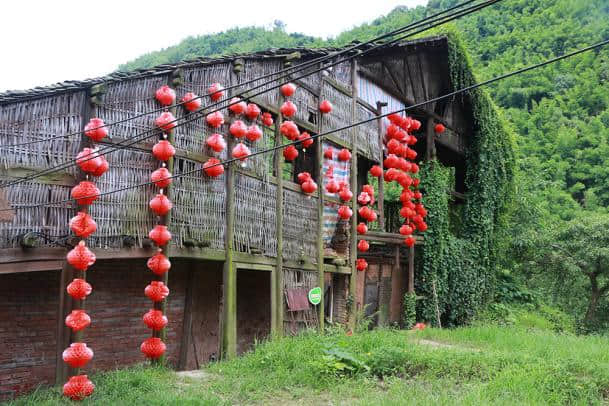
[455, 268]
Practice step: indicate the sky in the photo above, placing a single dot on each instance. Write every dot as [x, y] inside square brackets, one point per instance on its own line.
[44, 42]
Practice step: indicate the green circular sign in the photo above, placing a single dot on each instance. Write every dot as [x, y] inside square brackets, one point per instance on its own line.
[315, 295]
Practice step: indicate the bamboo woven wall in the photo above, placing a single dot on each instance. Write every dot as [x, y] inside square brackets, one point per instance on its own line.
[299, 226]
[36, 120]
[340, 116]
[255, 207]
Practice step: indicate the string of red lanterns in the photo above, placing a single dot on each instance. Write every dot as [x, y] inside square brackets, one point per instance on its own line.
[77, 355]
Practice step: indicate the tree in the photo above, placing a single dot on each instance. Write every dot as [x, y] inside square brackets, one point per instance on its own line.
[581, 251]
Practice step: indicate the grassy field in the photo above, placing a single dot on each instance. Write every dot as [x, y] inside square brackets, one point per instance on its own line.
[471, 366]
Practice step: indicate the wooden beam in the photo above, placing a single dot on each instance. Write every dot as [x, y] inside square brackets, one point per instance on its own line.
[63, 333]
[410, 285]
[430, 146]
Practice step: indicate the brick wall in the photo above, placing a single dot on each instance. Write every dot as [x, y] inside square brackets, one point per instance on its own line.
[28, 331]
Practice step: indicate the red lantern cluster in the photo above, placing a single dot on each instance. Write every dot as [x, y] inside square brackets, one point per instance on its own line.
[80, 258]
[400, 168]
[161, 205]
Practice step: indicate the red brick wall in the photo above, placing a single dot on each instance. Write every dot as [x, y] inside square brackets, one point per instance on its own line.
[117, 305]
[28, 331]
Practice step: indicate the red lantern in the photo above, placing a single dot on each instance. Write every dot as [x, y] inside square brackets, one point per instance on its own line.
[332, 186]
[414, 168]
[166, 121]
[289, 130]
[267, 119]
[191, 102]
[96, 129]
[368, 189]
[236, 106]
[363, 246]
[361, 264]
[394, 146]
[362, 228]
[88, 160]
[160, 235]
[216, 142]
[303, 177]
[406, 230]
[254, 133]
[83, 225]
[288, 89]
[344, 155]
[409, 241]
[392, 161]
[163, 150]
[78, 387]
[329, 153]
[85, 193]
[102, 168]
[420, 209]
[252, 111]
[308, 186]
[364, 198]
[422, 226]
[325, 107]
[155, 319]
[417, 195]
[216, 91]
[153, 347]
[406, 212]
[213, 168]
[158, 264]
[376, 171]
[419, 326]
[306, 140]
[344, 212]
[411, 154]
[79, 289]
[77, 355]
[240, 151]
[439, 128]
[215, 119]
[78, 320]
[367, 214]
[290, 153]
[165, 95]
[81, 257]
[161, 177]
[392, 130]
[395, 118]
[345, 194]
[288, 109]
[156, 291]
[238, 129]
[416, 182]
[160, 205]
[415, 125]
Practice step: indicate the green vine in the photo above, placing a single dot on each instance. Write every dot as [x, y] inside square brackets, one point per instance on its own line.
[459, 254]
[409, 311]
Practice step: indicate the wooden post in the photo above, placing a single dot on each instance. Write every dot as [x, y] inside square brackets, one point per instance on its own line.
[187, 320]
[320, 214]
[278, 276]
[381, 183]
[353, 233]
[430, 148]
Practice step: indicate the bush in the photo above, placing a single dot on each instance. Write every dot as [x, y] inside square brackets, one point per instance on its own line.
[387, 361]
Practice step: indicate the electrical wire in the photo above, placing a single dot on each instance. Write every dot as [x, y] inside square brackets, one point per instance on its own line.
[135, 139]
[433, 100]
[296, 68]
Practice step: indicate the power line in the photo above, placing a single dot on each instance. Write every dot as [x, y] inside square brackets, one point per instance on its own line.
[135, 139]
[296, 68]
[445, 96]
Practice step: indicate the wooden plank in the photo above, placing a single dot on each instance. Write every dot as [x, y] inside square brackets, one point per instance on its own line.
[430, 146]
[278, 294]
[381, 183]
[63, 334]
[60, 178]
[410, 285]
[245, 266]
[35, 266]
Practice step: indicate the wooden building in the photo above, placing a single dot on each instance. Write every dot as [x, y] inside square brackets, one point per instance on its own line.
[243, 243]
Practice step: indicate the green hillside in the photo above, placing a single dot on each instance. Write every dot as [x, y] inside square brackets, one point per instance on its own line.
[560, 115]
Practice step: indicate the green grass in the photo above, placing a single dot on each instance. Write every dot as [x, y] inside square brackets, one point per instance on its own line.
[471, 366]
